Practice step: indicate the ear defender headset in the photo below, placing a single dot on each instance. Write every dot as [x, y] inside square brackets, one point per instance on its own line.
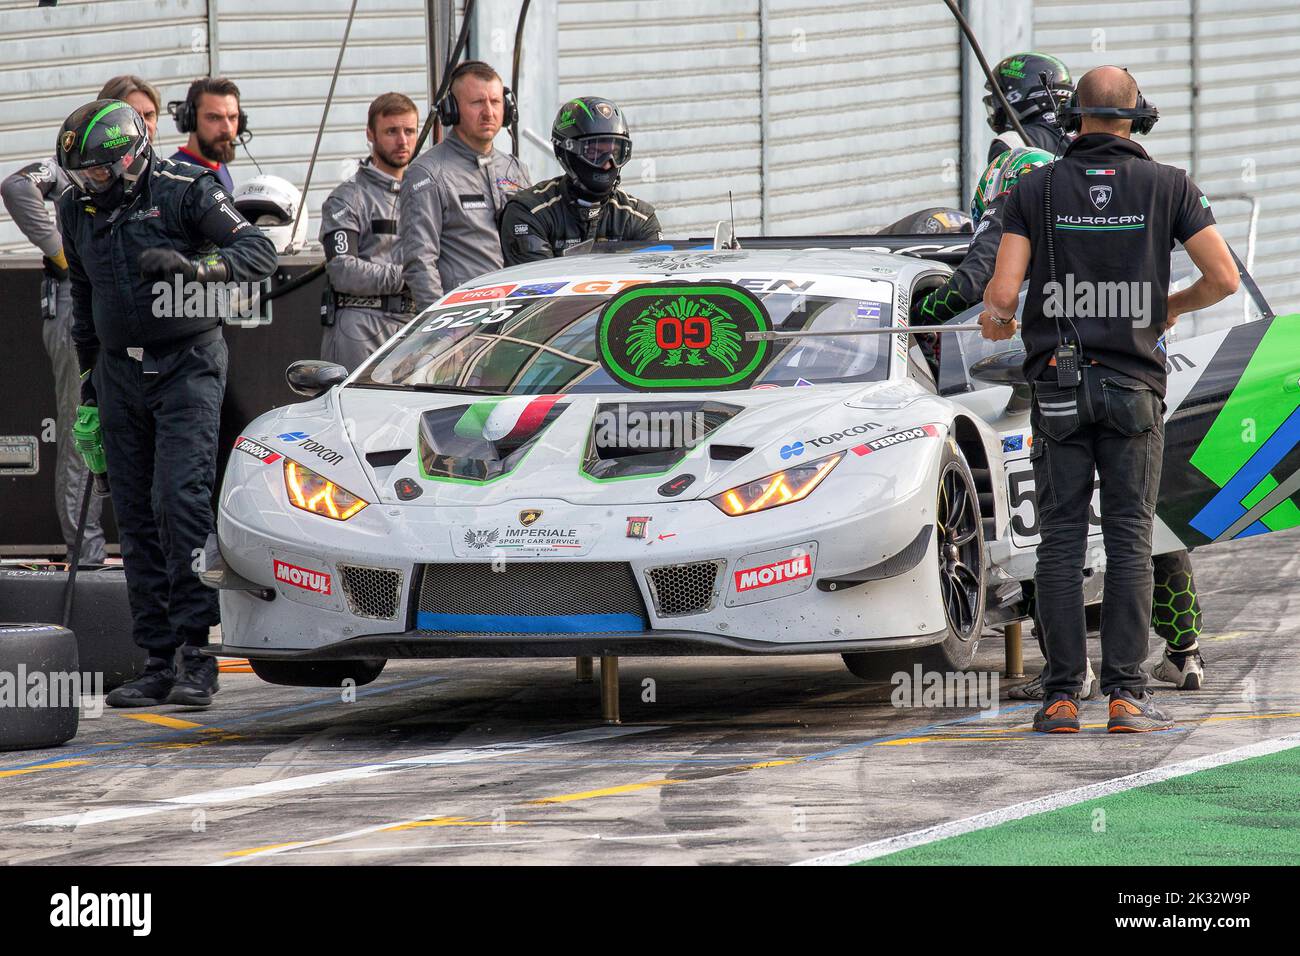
[1143, 114]
[449, 110]
[185, 112]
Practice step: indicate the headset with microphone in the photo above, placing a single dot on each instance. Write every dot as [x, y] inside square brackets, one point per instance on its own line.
[448, 109]
[1143, 114]
[186, 114]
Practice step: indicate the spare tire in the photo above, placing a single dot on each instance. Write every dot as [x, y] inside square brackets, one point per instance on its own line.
[39, 686]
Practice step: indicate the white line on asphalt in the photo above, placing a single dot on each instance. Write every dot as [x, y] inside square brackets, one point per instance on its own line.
[313, 780]
[1055, 801]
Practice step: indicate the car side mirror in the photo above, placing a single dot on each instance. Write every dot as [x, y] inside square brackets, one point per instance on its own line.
[1001, 368]
[313, 377]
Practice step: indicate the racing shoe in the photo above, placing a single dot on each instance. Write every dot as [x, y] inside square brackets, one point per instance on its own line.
[1130, 714]
[1059, 715]
[149, 689]
[197, 681]
[1033, 690]
[1184, 669]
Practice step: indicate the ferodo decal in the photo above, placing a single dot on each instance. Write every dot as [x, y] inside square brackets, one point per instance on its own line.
[768, 575]
[683, 335]
[897, 438]
[317, 582]
[260, 452]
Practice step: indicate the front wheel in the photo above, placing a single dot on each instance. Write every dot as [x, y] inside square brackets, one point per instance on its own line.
[960, 553]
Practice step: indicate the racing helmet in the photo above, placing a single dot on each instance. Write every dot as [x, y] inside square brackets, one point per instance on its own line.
[1001, 175]
[936, 219]
[104, 148]
[1018, 77]
[270, 203]
[592, 143]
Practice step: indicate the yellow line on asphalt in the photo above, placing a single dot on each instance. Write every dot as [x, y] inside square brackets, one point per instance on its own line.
[606, 792]
[452, 822]
[56, 765]
[1248, 717]
[175, 723]
[259, 849]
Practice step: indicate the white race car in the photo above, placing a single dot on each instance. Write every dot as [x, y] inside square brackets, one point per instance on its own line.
[595, 455]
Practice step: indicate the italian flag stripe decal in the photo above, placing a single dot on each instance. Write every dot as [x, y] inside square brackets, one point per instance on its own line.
[505, 419]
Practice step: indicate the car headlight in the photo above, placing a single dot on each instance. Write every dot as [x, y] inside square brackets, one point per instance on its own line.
[792, 484]
[317, 494]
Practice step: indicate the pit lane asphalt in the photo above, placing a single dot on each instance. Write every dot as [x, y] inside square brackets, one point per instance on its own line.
[736, 760]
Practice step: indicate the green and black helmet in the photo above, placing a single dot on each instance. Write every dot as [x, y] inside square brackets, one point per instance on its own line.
[1001, 176]
[104, 148]
[592, 143]
[1018, 77]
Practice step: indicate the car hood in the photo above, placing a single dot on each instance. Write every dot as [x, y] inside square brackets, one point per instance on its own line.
[624, 448]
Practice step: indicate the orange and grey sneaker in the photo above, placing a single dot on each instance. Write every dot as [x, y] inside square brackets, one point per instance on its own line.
[1130, 714]
[1058, 715]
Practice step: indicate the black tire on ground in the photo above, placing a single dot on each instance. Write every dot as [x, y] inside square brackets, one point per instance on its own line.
[962, 580]
[317, 673]
[35, 718]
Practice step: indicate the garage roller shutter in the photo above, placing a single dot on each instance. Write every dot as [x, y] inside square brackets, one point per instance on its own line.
[284, 84]
[54, 59]
[687, 75]
[863, 113]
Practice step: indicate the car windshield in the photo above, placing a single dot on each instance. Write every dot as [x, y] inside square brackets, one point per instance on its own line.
[545, 345]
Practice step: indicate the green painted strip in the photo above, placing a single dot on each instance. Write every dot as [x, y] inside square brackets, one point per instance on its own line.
[1103, 228]
[1241, 813]
[584, 108]
[99, 116]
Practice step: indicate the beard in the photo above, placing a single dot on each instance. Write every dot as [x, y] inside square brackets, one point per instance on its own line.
[387, 157]
[216, 150]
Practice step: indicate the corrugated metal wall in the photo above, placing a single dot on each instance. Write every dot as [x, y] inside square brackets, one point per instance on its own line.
[864, 113]
[1246, 116]
[687, 73]
[284, 84]
[53, 59]
[1249, 123]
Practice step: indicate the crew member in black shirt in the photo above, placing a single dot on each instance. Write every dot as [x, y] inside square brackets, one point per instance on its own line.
[1095, 230]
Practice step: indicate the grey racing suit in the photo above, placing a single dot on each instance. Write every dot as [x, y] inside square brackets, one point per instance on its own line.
[451, 201]
[25, 194]
[359, 230]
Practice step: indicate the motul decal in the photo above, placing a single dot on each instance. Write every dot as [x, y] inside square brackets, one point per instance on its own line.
[897, 438]
[317, 581]
[747, 579]
[260, 452]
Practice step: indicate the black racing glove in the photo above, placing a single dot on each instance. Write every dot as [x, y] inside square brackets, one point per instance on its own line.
[166, 263]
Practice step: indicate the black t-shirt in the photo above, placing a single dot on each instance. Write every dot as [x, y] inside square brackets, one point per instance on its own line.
[1117, 214]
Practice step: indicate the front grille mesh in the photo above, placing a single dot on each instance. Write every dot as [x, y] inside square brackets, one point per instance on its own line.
[372, 592]
[533, 589]
[684, 588]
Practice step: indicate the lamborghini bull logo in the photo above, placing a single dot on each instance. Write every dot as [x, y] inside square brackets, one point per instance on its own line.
[683, 329]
